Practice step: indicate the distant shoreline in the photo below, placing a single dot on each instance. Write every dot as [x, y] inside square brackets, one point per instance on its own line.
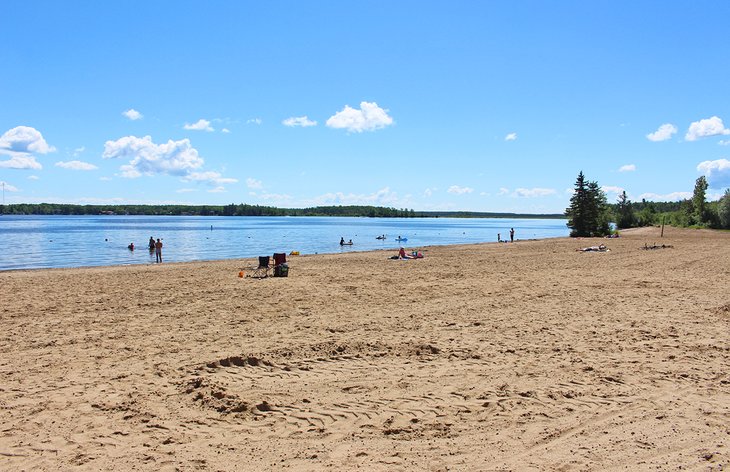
[50, 209]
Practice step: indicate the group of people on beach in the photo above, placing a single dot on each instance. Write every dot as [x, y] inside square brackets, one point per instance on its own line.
[154, 246]
[511, 236]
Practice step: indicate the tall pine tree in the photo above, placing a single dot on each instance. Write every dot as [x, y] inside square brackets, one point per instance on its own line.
[626, 217]
[587, 214]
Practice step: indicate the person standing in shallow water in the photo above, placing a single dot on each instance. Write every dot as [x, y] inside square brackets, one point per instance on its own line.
[511, 235]
[158, 250]
[151, 244]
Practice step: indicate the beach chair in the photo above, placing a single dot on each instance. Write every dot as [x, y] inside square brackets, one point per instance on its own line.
[281, 268]
[261, 271]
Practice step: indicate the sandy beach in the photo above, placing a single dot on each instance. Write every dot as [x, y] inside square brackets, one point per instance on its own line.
[522, 356]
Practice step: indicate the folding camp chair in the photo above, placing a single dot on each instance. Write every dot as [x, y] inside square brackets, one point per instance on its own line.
[261, 271]
[281, 268]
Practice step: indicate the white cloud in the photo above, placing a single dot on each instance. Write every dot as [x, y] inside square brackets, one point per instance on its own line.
[133, 114]
[147, 158]
[383, 197]
[24, 140]
[254, 121]
[511, 137]
[368, 118]
[76, 165]
[21, 162]
[254, 184]
[708, 127]
[186, 190]
[200, 125]
[664, 132]
[33, 177]
[8, 187]
[301, 121]
[105, 179]
[210, 177]
[78, 151]
[717, 172]
[428, 192]
[724, 142]
[225, 130]
[533, 192]
[218, 189]
[612, 189]
[278, 198]
[503, 191]
[627, 168]
[455, 189]
[669, 197]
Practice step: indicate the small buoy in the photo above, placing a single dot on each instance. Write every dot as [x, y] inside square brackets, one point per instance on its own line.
[240, 274]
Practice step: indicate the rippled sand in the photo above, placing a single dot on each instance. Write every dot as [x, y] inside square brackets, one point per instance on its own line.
[523, 356]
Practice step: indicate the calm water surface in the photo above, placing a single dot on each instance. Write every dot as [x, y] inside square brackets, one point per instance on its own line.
[33, 242]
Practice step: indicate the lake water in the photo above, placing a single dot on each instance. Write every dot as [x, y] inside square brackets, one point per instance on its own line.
[32, 242]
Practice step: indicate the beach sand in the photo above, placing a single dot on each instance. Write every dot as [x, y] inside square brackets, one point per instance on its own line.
[522, 356]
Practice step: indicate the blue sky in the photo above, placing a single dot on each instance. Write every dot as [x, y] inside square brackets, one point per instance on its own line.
[481, 106]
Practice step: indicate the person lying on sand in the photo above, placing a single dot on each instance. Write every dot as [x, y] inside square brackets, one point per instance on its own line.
[599, 248]
[413, 255]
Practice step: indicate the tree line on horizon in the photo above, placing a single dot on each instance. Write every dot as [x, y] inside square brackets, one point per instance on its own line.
[590, 214]
[249, 210]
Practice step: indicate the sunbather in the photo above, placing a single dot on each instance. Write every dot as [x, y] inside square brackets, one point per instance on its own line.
[599, 248]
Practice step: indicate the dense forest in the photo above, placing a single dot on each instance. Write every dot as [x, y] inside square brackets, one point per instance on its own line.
[247, 210]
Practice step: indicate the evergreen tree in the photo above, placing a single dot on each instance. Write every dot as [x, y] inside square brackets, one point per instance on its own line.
[699, 207]
[723, 210]
[625, 217]
[588, 211]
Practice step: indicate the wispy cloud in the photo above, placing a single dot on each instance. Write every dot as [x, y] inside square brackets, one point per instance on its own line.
[457, 190]
[209, 177]
[369, 117]
[254, 184]
[533, 192]
[664, 132]
[299, 121]
[627, 168]
[21, 162]
[511, 137]
[76, 165]
[200, 125]
[612, 189]
[668, 197]
[383, 197]
[254, 121]
[7, 187]
[705, 128]
[133, 114]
